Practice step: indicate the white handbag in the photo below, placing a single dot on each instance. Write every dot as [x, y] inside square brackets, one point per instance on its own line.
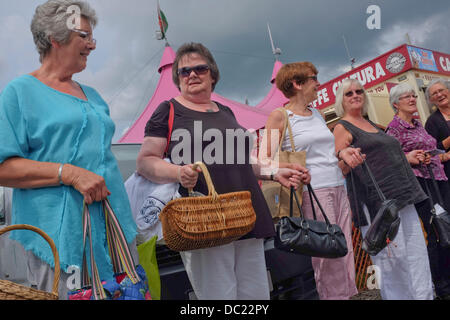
[147, 199]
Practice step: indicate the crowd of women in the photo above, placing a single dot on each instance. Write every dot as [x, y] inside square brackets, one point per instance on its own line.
[56, 136]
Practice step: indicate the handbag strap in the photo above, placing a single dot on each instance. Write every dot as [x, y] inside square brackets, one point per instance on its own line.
[211, 189]
[312, 204]
[291, 204]
[287, 124]
[311, 192]
[430, 197]
[375, 183]
[294, 195]
[355, 201]
[170, 124]
[283, 133]
[97, 289]
[435, 186]
[119, 251]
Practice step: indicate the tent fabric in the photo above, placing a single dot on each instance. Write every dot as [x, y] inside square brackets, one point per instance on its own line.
[247, 116]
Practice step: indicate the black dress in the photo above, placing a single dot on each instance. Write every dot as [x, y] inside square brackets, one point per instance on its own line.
[197, 136]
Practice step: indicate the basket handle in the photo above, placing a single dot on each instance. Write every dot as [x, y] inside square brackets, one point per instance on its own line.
[50, 242]
[211, 190]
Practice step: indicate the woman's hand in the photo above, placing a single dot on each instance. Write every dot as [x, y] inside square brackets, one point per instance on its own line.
[305, 177]
[352, 156]
[187, 176]
[291, 178]
[415, 157]
[427, 159]
[90, 185]
[444, 157]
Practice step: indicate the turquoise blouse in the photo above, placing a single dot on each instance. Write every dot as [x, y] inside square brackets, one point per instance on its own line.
[43, 124]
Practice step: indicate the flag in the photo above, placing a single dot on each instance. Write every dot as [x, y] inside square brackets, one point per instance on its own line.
[163, 25]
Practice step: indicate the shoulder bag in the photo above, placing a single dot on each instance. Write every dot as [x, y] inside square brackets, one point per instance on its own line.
[277, 196]
[440, 218]
[384, 227]
[147, 198]
[309, 237]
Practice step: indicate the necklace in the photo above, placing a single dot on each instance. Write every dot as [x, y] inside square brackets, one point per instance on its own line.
[302, 112]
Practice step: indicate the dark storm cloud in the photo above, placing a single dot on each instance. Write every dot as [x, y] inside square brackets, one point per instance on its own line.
[124, 66]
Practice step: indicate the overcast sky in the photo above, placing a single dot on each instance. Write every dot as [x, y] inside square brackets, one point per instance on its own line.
[123, 68]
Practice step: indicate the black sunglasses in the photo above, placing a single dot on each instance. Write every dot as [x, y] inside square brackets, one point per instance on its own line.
[200, 69]
[350, 93]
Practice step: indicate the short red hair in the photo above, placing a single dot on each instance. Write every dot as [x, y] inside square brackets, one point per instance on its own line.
[298, 72]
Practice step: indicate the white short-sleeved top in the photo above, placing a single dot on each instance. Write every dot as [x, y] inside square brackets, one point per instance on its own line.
[311, 133]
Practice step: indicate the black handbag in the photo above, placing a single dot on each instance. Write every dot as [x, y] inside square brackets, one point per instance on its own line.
[309, 237]
[439, 222]
[384, 227]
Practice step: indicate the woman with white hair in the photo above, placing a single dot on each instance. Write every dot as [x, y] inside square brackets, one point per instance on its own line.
[415, 143]
[56, 136]
[438, 124]
[404, 269]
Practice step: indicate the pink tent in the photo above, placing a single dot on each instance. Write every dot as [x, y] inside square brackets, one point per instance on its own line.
[248, 117]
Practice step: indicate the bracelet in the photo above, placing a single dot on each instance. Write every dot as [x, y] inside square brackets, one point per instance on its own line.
[338, 153]
[60, 174]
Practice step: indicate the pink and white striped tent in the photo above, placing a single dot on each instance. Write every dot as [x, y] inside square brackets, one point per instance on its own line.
[248, 117]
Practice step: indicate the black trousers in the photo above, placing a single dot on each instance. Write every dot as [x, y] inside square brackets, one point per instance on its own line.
[438, 256]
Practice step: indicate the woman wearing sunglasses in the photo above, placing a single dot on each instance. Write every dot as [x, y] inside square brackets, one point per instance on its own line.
[415, 142]
[403, 266]
[335, 278]
[236, 270]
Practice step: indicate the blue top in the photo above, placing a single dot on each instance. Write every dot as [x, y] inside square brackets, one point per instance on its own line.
[43, 124]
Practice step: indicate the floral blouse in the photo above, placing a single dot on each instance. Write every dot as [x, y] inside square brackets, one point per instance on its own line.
[413, 137]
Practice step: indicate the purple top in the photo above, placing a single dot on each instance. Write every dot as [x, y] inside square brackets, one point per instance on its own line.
[414, 137]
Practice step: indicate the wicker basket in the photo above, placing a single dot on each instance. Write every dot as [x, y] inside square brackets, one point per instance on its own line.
[13, 291]
[208, 221]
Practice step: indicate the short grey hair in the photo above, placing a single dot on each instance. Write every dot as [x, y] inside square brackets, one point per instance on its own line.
[50, 20]
[339, 108]
[445, 83]
[397, 92]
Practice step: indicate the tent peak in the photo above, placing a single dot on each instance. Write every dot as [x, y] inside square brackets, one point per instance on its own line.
[167, 59]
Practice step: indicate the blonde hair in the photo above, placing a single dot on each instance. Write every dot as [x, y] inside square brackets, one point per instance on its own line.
[339, 108]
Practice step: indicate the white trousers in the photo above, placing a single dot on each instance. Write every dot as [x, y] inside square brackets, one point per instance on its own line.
[236, 271]
[403, 267]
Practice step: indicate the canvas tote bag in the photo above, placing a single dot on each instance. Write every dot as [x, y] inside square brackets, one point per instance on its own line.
[277, 196]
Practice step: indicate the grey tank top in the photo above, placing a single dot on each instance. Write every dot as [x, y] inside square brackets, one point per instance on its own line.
[391, 170]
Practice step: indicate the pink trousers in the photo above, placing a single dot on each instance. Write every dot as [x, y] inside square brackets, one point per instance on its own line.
[335, 278]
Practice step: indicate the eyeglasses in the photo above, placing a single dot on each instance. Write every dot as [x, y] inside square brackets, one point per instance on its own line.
[357, 91]
[312, 77]
[186, 71]
[408, 97]
[435, 94]
[86, 36]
